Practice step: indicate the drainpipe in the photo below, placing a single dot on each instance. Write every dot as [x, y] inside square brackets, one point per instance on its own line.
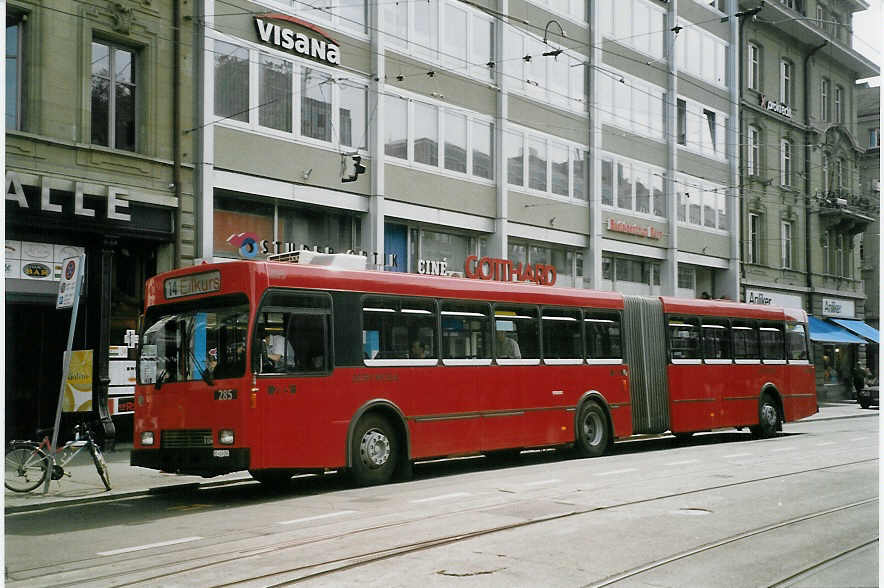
[807, 194]
[176, 121]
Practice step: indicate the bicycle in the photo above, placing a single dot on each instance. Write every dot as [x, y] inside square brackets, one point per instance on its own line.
[27, 462]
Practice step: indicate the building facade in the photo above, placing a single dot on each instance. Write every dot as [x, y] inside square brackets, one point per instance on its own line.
[804, 207]
[868, 112]
[98, 162]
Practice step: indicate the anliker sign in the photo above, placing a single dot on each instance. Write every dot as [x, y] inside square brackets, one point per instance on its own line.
[321, 49]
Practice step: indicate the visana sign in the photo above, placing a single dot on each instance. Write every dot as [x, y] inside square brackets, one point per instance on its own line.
[324, 49]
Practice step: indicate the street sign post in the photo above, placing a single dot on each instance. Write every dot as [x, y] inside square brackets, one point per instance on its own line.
[68, 297]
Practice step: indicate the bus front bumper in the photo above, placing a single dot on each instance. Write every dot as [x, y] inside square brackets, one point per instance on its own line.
[206, 462]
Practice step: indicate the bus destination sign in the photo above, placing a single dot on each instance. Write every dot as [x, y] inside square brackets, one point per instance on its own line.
[192, 285]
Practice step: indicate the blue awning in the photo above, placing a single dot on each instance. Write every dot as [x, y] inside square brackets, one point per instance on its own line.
[860, 328]
[823, 332]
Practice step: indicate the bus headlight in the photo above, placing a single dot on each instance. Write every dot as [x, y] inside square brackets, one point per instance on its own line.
[225, 436]
[147, 437]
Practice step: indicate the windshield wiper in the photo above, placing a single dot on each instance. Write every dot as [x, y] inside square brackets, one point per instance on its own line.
[161, 379]
[204, 373]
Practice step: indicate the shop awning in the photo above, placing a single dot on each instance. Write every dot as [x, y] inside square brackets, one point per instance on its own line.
[823, 332]
[860, 328]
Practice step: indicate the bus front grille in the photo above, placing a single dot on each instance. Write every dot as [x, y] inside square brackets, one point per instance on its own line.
[183, 438]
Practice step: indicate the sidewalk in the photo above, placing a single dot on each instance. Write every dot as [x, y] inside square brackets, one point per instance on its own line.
[84, 485]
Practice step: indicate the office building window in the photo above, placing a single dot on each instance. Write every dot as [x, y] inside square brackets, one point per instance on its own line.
[14, 27]
[827, 262]
[275, 93]
[537, 158]
[231, 81]
[824, 99]
[455, 141]
[753, 152]
[395, 127]
[825, 172]
[786, 82]
[786, 240]
[785, 163]
[482, 137]
[316, 104]
[639, 187]
[352, 115]
[113, 96]
[839, 173]
[681, 109]
[753, 254]
[875, 137]
[426, 133]
[629, 103]
[348, 15]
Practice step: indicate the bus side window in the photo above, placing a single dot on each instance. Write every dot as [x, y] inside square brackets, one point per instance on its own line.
[745, 334]
[292, 333]
[796, 341]
[398, 328]
[684, 337]
[716, 339]
[561, 334]
[516, 332]
[465, 330]
[603, 335]
[773, 345]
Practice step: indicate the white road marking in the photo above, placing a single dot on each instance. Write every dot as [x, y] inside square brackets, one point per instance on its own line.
[777, 449]
[441, 497]
[737, 455]
[685, 462]
[612, 472]
[857, 439]
[824, 443]
[539, 482]
[317, 517]
[149, 546]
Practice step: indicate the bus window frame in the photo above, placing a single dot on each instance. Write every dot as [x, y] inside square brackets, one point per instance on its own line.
[588, 315]
[581, 352]
[765, 325]
[403, 362]
[489, 333]
[523, 361]
[688, 360]
[328, 330]
[807, 347]
[751, 361]
[730, 338]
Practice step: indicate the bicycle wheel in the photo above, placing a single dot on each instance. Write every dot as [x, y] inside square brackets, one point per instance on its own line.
[26, 467]
[98, 459]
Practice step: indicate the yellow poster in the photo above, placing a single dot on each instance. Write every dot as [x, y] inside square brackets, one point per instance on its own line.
[78, 386]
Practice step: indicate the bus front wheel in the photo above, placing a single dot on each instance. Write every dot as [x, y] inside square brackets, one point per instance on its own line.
[375, 451]
[592, 431]
[768, 419]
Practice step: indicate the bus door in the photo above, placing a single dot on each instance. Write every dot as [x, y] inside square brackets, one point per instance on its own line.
[292, 363]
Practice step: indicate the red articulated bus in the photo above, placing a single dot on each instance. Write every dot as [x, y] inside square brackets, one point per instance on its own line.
[280, 368]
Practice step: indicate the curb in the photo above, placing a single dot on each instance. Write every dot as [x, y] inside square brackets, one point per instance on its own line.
[110, 495]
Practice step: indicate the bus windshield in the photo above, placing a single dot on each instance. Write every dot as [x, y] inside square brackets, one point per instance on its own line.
[185, 342]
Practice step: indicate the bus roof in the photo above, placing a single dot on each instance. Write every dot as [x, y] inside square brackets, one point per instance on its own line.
[697, 306]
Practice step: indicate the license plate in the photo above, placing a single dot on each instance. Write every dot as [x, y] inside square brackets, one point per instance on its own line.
[220, 453]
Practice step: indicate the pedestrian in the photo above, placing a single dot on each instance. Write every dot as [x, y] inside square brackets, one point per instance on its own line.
[860, 374]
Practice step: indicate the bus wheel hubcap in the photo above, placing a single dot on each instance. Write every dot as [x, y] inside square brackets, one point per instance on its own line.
[769, 413]
[374, 449]
[592, 428]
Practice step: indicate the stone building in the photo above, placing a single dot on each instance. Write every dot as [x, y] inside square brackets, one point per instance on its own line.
[804, 208]
[98, 161]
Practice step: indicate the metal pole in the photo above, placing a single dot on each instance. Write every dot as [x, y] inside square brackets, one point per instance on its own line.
[64, 373]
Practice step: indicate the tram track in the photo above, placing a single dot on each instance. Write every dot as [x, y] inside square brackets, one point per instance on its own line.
[143, 569]
[809, 570]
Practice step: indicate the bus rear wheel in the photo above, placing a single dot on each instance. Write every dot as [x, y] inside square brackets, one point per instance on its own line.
[375, 451]
[768, 419]
[592, 431]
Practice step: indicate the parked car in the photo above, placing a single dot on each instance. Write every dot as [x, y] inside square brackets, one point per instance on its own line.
[868, 396]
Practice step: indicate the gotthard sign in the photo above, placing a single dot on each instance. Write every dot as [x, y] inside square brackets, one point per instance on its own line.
[315, 44]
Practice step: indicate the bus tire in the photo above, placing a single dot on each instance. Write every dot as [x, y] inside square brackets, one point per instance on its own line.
[593, 434]
[375, 451]
[768, 418]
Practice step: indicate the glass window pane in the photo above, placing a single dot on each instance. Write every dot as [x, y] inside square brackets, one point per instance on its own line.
[455, 47]
[353, 132]
[602, 330]
[398, 328]
[426, 133]
[772, 341]
[716, 339]
[516, 332]
[797, 342]
[624, 186]
[394, 23]
[396, 127]
[561, 334]
[12, 75]
[537, 164]
[101, 90]
[745, 336]
[559, 167]
[426, 29]
[352, 14]
[608, 182]
[465, 330]
[124, 116]
[581, 158]
[455, 141]
[515, 158]
[231, 81]
[275, 93]
[483, 142]
[642, 191]
[316, 107]
[657, 186]
[577, 71]
[482, 47]
[684, 337]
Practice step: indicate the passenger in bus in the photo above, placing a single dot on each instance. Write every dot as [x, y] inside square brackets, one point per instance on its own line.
[277, 352]
[506, 347]
[417, 350]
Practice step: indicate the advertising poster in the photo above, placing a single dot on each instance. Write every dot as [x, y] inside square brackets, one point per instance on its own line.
[78, 386]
